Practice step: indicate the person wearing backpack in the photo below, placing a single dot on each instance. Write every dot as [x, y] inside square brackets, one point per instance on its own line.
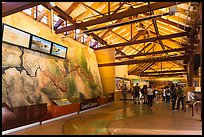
[180, 95]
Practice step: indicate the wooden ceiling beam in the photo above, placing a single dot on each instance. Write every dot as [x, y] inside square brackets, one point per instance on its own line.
[70, 19]
[120, 15]
[144, 40]
[110, 29]
[42, 14]
[182, 44]
[128, 13]
[155, 26]
[68, 11]
[156, 52]
[132, 72]
[171, 23]
[157, 59]
[163, 75]
[195, 25]
[141, 32]
[9, 8]
[153, 72]
[86, 6]
[64, 15]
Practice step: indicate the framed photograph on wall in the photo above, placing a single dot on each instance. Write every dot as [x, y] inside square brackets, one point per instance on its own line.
[59, 50]
[15, 36]
[40, 44]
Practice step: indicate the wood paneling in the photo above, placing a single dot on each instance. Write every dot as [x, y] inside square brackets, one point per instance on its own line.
[57, 111]
[19, 116]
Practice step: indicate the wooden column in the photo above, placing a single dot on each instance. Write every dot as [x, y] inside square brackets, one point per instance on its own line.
[200, 12]
[190, 71]
[107, 73]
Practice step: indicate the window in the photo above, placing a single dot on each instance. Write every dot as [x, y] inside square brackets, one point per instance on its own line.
[28, 11]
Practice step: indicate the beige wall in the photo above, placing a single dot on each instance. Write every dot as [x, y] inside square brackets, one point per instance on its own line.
[107, 73]
[121, 71]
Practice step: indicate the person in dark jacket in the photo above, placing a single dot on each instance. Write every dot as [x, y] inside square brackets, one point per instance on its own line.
[144, 93]
[124, 91]
[173, 96]
[136, 93]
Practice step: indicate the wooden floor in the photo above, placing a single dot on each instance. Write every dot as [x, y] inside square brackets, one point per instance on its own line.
[118, 118]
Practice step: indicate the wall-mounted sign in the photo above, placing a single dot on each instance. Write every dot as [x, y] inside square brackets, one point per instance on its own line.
[89, 103]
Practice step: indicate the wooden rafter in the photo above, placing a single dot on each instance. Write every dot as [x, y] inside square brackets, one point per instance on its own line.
[167, 71]
[156, 52]
[149, 66]
[119, 35]
[163, 75]
[110, 29]
[157, 59]
[144, 40]
[120, 15]
[133, 71]
[141, 32]
[42, 14]
[9, 8]
[70, 19]
[182, 44]
[155, 26]
[171, 23]
[68, 11]
[86, 6]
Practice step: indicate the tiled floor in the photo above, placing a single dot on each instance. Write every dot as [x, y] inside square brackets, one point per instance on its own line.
[119, 118]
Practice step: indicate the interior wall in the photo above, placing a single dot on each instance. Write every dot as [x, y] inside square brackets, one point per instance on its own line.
[121, 71]
[30, 77]
[107, 73]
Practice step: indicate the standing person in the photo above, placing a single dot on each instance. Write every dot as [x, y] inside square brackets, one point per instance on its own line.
[124, 91]
[180, 97]
[150, 96]
[163, 94]
[168, 94]
[173, 96]
[144, 93]
[136, 93]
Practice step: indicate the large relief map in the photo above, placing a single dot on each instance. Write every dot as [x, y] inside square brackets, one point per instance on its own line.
[30, 77]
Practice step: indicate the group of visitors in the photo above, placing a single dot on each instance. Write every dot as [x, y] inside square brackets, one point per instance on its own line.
[175, 94]
[146, 92]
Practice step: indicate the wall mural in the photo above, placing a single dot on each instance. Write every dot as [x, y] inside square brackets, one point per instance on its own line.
[30, 77]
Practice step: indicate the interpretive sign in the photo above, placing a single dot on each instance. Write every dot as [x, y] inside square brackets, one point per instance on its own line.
[89, 103]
